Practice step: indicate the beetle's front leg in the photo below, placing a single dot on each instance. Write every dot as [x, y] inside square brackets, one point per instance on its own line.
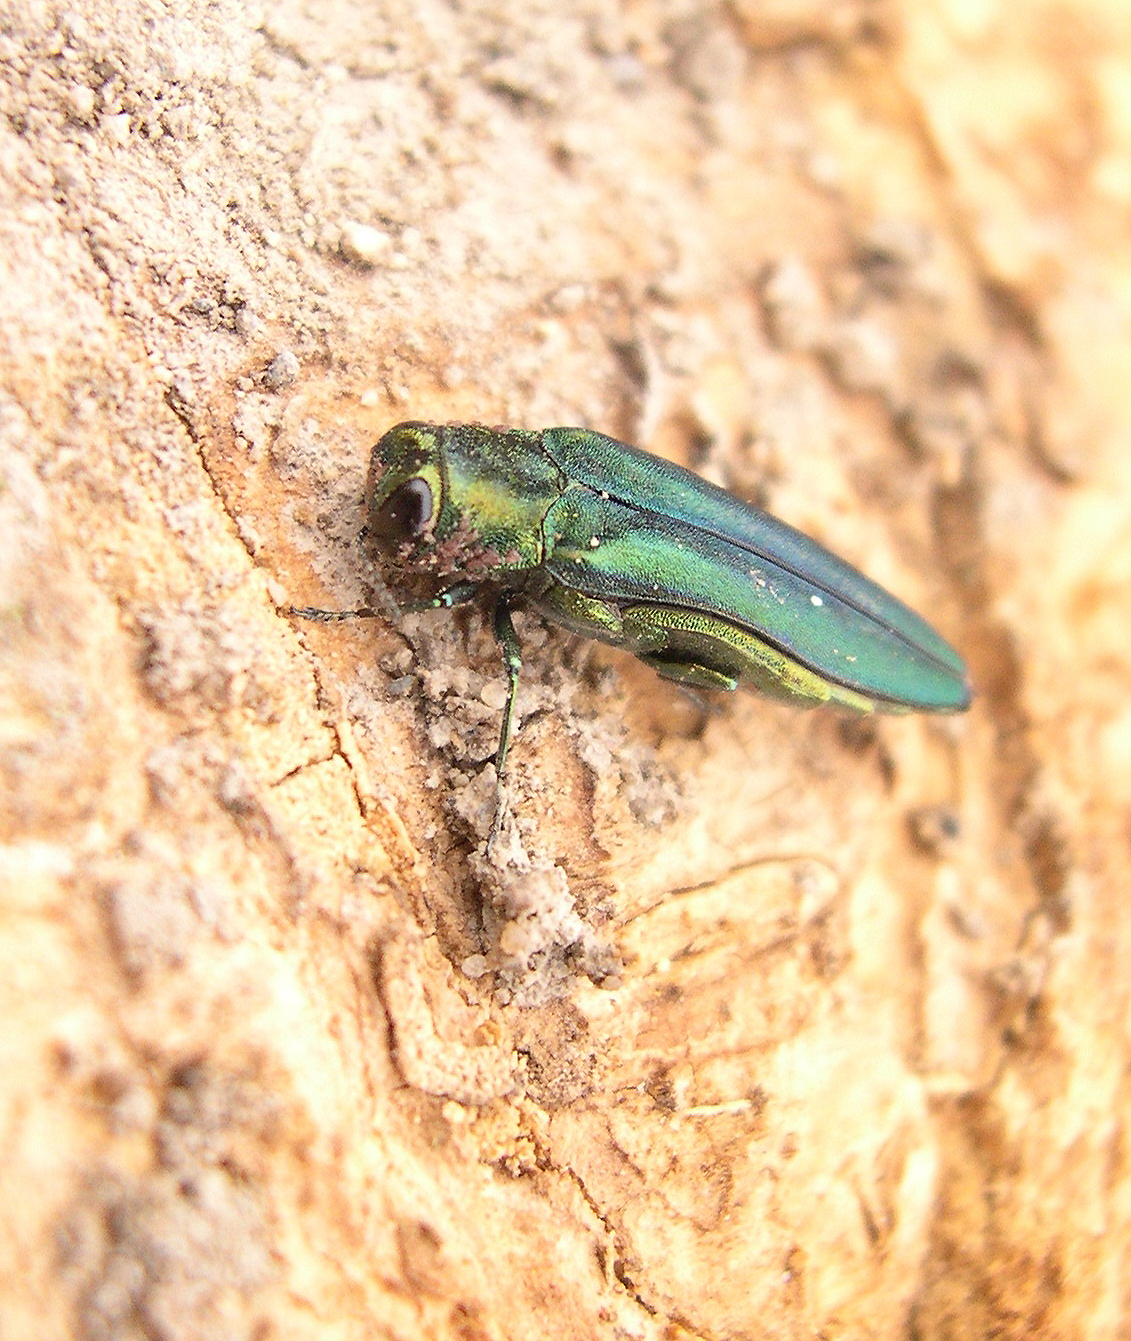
[459, 593]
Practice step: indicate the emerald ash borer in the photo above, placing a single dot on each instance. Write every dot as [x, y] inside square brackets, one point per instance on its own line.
[623, 546]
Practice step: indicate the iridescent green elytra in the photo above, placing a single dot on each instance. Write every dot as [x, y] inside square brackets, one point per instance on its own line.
[625, 547]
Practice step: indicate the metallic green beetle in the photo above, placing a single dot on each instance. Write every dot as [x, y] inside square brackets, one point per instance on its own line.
[622, 546]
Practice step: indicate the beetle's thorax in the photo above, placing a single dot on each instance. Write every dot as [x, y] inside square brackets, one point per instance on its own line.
[498, 487]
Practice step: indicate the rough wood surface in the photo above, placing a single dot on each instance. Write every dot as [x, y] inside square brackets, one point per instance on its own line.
[766, 1023]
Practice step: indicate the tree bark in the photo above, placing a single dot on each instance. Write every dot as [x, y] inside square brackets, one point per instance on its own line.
[758, 1022]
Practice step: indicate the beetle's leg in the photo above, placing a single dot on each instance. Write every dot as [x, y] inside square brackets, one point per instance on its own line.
[512, 663]
[587, 615]
[459, 593]
[688, 673]
[673, 639]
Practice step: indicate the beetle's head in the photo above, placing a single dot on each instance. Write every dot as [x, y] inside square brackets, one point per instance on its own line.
[404, 491]
[437, 515]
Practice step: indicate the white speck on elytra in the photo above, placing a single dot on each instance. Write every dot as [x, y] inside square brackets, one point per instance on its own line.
[815, 600]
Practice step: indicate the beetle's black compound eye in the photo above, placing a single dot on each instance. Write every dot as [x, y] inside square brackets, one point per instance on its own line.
[404, 514]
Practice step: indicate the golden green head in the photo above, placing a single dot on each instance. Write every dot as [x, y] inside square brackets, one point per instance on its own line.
[457, 503]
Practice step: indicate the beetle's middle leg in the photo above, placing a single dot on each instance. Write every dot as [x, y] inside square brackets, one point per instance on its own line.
[507, 639]
[702, 650]
[512, 664]
[688, 673]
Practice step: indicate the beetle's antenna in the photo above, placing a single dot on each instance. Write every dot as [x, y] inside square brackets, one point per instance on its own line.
[385, 608]
[330, 616]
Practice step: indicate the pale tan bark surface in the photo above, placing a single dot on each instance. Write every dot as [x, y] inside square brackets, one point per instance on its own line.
[765, 1023]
